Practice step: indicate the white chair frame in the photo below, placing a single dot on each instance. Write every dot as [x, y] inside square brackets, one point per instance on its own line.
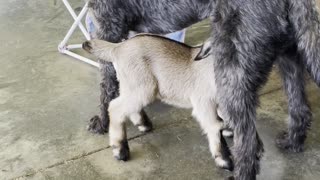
[63, 47]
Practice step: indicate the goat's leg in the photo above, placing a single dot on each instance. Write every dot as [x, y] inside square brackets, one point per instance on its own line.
[226, 132]
[120, 109]
[300, 114]
[117, 130]
[142, 121]
[205, 113]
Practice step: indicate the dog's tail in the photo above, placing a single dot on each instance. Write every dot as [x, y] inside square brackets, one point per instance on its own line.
[305, 20]
[103, 50]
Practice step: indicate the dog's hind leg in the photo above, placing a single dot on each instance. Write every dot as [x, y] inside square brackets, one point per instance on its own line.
[206, 115]
[292, 71]
[109, 90]
[112, 30]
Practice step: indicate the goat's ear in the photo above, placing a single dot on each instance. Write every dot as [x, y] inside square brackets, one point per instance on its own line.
[205, 51]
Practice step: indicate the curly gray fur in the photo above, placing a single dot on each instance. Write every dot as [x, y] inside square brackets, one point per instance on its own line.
[247, 40]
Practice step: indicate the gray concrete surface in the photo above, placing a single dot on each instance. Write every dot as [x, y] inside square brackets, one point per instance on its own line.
[47, 98]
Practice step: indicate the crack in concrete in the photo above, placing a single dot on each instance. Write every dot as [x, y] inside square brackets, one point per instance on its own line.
[270, 91]
[77, 157]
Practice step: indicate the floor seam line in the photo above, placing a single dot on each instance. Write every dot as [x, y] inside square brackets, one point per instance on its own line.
[77, 157]
[270, 92]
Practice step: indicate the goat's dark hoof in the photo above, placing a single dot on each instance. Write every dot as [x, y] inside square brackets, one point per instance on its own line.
[96, 126]
[123, 152]
[124, 155]
[226, 164]
[229, 166]
[146, 125]
[283, 142]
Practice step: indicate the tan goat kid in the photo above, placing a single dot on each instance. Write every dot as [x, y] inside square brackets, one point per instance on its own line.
[151, 67]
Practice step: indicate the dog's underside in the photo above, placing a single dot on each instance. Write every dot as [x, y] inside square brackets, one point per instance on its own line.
[248, 37]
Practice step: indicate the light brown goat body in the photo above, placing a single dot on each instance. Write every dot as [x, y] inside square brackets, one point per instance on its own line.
[151, 67]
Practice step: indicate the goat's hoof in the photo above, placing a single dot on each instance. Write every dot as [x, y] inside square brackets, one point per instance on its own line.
[122, 153]
[226, 164]
[283, 142]
[96, 126]
[146, 125]
[145, 129]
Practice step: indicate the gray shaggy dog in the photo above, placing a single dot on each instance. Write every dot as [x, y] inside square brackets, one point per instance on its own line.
[248, 38]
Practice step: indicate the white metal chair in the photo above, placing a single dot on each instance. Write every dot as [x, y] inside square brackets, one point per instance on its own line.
[63, 47]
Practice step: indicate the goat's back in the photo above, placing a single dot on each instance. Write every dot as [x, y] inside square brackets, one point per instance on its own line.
[169, 66]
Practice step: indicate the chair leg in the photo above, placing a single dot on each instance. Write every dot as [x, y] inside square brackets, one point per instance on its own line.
[63, 47]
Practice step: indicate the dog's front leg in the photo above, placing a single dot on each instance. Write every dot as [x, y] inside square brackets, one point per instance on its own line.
[109, 90]
[300, 116]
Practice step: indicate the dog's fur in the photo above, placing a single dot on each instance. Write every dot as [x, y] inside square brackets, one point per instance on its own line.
[151, 67]
[114, 20]
[249, 37]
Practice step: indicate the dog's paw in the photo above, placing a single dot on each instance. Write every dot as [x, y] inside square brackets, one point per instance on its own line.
[96, 126]
[283, 142]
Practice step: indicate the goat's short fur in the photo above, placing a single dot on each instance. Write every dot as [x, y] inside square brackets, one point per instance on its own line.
[151, 67]
[115, 19]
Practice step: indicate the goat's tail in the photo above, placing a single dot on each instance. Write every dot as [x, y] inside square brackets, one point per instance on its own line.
[305, 20]
[103, 50]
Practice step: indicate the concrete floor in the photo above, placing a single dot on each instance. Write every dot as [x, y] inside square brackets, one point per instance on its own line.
[47, 98]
